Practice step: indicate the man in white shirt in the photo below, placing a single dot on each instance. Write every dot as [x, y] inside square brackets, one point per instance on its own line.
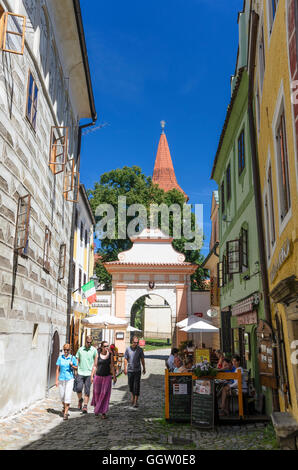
[170, 361]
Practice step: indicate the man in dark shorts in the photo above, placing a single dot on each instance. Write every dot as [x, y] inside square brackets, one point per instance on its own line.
[85, 357]
[133, 357]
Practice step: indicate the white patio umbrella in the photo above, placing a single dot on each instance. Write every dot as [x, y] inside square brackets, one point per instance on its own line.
[104, 321]
[132, 328]
[200, 327]
[187, 321]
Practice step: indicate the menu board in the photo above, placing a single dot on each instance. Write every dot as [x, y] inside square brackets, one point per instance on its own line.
[180, 390]
[203, 403]
[202, 355]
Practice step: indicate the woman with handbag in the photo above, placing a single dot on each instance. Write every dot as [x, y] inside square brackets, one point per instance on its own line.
[65, 366]
[101, 377]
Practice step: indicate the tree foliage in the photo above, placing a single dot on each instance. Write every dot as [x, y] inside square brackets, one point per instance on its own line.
[138, 189]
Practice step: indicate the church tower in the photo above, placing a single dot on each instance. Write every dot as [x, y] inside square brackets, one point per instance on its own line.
[164, 174]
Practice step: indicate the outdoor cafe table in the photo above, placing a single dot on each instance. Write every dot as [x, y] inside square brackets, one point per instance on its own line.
[185, 379]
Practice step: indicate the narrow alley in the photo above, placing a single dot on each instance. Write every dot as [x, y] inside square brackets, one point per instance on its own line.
[41, 427]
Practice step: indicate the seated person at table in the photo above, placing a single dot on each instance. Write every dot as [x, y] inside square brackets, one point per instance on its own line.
[177, 363]
[170, 361]
[220, 358]
[227, 365]
[226, 391]
[190, 348]
[185, 367]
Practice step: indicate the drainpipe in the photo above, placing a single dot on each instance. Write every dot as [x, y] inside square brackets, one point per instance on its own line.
[71, 247]
[257, 188]
[255, 167]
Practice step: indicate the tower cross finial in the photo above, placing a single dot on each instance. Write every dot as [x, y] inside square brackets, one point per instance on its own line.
[163, 124]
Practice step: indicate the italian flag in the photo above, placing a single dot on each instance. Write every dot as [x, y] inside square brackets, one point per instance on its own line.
[89, 292]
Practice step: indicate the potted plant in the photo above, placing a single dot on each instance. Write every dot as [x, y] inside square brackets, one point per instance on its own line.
[204, 369]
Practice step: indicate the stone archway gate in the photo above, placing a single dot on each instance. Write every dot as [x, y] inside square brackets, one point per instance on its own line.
[151, 266]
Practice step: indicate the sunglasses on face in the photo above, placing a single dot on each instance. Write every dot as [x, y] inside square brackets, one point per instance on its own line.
[89, 342]
[66, 349]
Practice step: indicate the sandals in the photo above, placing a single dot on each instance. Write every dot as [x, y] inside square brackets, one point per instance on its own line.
[104, 416]
[85, 410]
[65, 417]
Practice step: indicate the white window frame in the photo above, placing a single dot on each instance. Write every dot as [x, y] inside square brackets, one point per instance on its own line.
[279, 108]
[268, 220]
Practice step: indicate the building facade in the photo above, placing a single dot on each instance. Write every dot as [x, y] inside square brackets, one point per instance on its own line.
[45, 90]
[276, 115]
[240, 280]
[83, 266]
[211, 262]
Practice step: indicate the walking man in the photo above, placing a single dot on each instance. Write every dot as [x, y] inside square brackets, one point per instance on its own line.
[133, 357]
[85, 356]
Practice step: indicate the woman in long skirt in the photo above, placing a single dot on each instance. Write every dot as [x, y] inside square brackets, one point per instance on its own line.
[101, 377]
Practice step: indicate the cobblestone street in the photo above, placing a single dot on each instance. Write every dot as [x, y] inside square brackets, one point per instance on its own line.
[41, 427]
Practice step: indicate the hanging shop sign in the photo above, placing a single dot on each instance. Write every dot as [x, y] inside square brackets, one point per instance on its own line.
[266, 354]
[282, 257]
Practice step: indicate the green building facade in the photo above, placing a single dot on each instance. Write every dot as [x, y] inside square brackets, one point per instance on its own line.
[239, 273]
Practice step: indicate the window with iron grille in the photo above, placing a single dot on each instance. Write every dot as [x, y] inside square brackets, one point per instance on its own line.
[31, 106]
[46, 250]
[22, 224]
[233, 257]
[244, 247]
[241, 152]
[12, 32]
[283, 166]
[62, 257]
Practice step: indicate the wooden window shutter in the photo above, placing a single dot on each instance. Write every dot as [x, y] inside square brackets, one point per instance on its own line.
[46, 250]
[13, 29]
[71, 184]
[233, 257]
[62, 257]
[22, 223]
[58, 149]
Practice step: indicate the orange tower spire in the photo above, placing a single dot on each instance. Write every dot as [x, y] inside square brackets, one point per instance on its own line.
[163, 173]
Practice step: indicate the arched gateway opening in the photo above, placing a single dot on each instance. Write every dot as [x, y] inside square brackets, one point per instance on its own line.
[153, 316]
[151, 267]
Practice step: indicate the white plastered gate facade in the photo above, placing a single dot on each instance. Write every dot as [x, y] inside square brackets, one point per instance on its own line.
[151, 266]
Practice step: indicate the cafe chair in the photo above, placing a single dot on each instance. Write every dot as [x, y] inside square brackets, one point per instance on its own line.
[234, 395]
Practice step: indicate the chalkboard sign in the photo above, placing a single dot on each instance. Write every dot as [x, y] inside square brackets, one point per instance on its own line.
[203, 403]
[180, 391]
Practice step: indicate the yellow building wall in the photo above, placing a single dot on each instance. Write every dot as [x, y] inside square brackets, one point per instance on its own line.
[277, 74]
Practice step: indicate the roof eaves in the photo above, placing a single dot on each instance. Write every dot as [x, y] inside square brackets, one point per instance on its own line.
[79, 21]
[229, 111]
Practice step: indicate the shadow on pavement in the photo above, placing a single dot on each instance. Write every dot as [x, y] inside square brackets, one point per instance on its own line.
[124, 426]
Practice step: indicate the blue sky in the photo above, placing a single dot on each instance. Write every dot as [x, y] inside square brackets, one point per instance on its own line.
[160, 60]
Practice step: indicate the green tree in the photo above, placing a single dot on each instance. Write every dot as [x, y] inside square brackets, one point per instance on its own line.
[138, 189]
